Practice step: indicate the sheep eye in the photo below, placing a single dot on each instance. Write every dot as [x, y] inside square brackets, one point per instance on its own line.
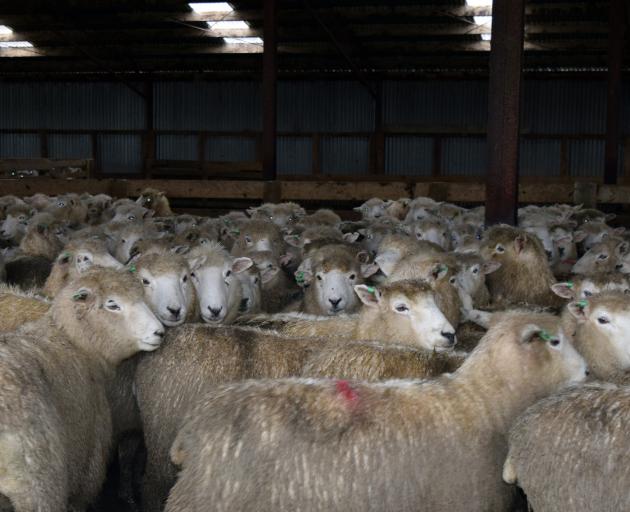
[131, 217]
[554, 342]
[452, 280]
[228, 273]
[255, 280]
[475, 271]
[587, 293]
[192, 274]
[602, 256]
[112, 306]
[603, 320]
[500, 248]
[185, 279]
[352, 277]
[319, 278]
[401, 308]
[248, 239]
[561, 251]
[369, 237]
[145, 282]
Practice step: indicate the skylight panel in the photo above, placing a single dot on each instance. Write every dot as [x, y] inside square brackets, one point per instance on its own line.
[15, 44]
[479, 3]
[204, 7]
[4, 30]
[228, 25]
[243, 40]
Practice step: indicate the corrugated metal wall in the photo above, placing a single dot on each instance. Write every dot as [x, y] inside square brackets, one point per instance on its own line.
[550, 107]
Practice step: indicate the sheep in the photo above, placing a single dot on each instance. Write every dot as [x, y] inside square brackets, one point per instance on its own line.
[15, 223]
[155, 200]
[431, 230]
[374, 234]
[251, 301]
[583, 286]
[471, 276]
[397, 210]
[44, 237]
[329, 274]
[403, 312]
[565, 244]
[282, 215]
[96, 206]
[372, 361]
[277, 290]
[258, 235]
[582, 434]
[394, 248]
[55, 420]
[321, 217]
[18, 307]
[440, 273]
[595, 232]
[599, 326]
[219, 292]
[167, 288]
[28, 272]
[421, 208]
[603, 256]
[77, 257]
[524, 275]
[195, 357]
[69, 209]
[303, 444]
[374, 209]
[127, 237]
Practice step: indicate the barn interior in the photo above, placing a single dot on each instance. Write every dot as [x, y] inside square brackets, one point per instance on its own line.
[325, 102]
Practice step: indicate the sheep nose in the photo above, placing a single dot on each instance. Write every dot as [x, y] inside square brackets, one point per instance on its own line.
[548, 253]
[334, 302]
[174, 311]
[618, 266]
[215, 311]
[160, 333]
[450, 336]
[587, 372]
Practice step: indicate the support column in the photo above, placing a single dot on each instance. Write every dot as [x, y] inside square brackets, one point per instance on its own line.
[616, 28]
[269, 90]
[504, 99]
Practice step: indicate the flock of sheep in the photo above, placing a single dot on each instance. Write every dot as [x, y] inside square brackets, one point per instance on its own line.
[274, 360]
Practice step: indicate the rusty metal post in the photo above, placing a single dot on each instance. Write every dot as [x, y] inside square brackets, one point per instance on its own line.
[613, 96]
[504, 99]
[269, 90]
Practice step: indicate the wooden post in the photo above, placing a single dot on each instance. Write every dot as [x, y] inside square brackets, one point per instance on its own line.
[269, 89]
[613, 97]
[506, 56]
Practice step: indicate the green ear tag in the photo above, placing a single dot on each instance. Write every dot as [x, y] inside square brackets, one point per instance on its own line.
[371, 290]
[299, 277]
[132, 269]
[569, 284]
[78, 296]
[544, 335]
[443, 268]
[236, 231]
[582, 304]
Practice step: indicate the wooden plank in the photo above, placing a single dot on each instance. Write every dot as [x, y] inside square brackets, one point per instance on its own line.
[342, 191]
[40, 164]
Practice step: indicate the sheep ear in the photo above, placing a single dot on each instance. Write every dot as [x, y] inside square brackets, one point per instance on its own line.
[579, 236]
[358, 209]
[369, 295]
[251, 211]
[487, 267]
[83, 261]
[369, 269]
[610, 216]
[286, 259]
[579, 309]
[268, 274]
[303, 278]
[241, 264]
[351, 237]
[294, 241]
[438, 272]
[81, 295]
[65, 258]
[619, 231]
[519, 243]
[622, 248]
[196, 262]
[363, 257]
[564, 290]
[386, 262]
[180, 249]
[528, 333]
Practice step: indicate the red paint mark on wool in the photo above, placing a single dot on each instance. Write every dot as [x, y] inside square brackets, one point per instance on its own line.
[346, 391]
